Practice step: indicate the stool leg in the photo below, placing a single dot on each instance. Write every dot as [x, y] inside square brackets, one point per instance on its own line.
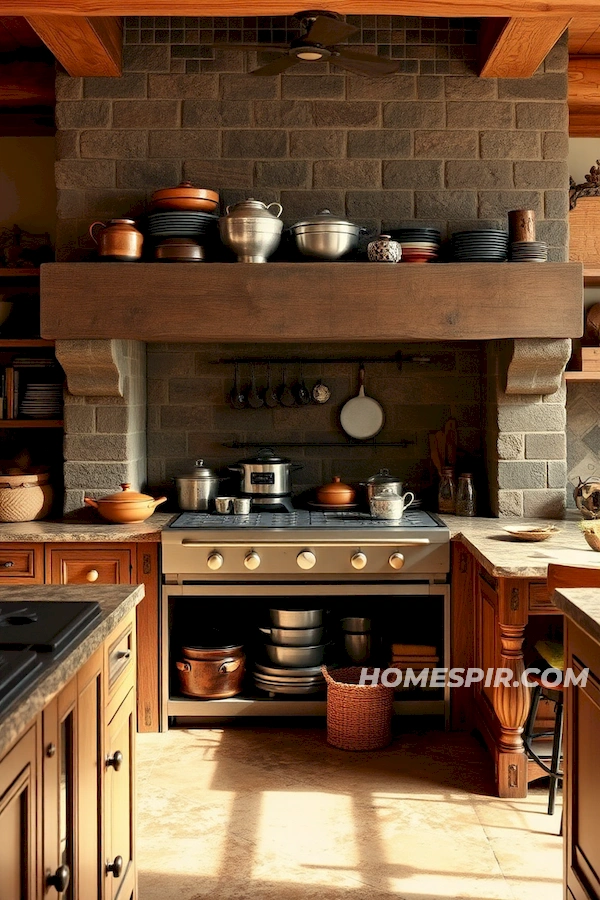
[555, 764]
[530, 723]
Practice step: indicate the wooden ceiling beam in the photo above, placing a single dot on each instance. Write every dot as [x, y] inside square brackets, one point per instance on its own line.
[514, 48]
[83, 46]
[445, 8]
[584, 97]
[584, 35]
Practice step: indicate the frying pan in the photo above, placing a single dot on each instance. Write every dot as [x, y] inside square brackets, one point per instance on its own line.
[362, 417]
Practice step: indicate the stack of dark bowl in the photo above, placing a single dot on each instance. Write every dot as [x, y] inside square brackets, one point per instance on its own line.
[183, 222]
[419, 245]
[488, 245]
[294, 650]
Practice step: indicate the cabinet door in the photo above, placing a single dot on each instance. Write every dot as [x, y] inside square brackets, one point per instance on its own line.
[18, 825]
[463, 623]
[486, 649]
[119, 792]
[90, 712]
[89, 565]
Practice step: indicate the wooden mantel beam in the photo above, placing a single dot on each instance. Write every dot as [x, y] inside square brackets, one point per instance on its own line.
[542, 9]
[83, 46]
[514, 48]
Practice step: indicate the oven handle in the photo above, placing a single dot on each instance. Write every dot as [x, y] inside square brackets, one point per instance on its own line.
[405, 542]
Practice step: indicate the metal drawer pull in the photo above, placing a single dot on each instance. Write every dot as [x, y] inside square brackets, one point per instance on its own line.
[116, 760]
[92, 575]
[116, 867]
[123, 654]
[60, 879]
[8, 564]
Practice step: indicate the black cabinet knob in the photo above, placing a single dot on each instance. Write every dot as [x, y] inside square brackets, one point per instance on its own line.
[116, 761]
[60, 879]
[51, 750]
[116, 867]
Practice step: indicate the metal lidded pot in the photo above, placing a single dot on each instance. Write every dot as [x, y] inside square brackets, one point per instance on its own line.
[196, 492]
[251, 230]
[382, 479]
[265, 474]
[325, 236]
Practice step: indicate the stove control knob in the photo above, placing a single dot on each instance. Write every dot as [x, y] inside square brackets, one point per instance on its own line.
[396, 560]
[306, 559]
[214, 561]
[358, 560]
[252, 560]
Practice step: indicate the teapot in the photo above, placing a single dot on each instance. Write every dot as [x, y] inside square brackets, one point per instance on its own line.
[118, 240]
[587, 498]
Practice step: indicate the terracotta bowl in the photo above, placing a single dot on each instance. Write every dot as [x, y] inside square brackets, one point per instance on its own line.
[593, 539]
[191, 204]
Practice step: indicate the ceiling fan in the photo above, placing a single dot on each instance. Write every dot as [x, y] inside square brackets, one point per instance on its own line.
[323, 32]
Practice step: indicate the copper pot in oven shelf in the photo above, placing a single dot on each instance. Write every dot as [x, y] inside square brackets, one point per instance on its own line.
[211, 672]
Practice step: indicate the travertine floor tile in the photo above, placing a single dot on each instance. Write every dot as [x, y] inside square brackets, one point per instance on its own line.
[264, 813]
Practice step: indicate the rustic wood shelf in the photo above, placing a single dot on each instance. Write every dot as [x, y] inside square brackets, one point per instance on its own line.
[591, 276]
[287, 302]
[19, 273]
[31, 423]
[25, 343]
[582, 376]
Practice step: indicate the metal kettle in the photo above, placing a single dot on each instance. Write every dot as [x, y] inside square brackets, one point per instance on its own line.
[118, 240]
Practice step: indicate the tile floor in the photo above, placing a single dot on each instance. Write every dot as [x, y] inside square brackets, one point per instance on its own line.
[259, 813]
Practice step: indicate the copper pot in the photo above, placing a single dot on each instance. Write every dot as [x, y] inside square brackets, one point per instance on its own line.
[336, 493]
[118, 240]
[215, 672]
[126, 507]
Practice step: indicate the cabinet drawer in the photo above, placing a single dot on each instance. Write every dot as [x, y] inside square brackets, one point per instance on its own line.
[90, 566]
[119, 664]
[120, 655]
[21, 564]
[539, 598]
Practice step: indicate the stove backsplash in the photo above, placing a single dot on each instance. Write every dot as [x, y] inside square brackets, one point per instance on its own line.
[189, 414]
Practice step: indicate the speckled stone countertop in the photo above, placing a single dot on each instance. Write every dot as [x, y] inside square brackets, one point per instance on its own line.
[88, 526]
[582, 605]
[503, 556]
[115, 602]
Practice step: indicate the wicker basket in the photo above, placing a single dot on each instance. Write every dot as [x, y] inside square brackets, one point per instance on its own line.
[359, 717]
[24, 498]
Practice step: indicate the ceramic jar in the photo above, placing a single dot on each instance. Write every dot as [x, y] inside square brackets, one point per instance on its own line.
[118, 240]
[384, 249]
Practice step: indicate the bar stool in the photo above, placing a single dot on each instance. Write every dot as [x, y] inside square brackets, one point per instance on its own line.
[551, 661]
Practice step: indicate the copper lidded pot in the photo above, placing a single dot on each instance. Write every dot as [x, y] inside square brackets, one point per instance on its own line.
[126, 507]
[118, 240]
[214, 672]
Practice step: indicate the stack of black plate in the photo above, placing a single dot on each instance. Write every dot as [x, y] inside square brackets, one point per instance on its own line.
[418, 244]
[480, 246]
[529, 251]
[181, 224]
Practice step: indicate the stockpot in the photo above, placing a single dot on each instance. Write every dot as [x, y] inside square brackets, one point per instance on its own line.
[383, 479]
[325, 236]
[265, 474]
[196, 492]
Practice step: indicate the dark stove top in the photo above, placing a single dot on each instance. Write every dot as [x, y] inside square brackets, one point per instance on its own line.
[33, 636]
[302, 518]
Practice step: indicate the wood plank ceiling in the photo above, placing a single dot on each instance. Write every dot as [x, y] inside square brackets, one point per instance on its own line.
[26, 80]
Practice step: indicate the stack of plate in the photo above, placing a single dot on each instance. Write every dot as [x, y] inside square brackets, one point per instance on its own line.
[480, 246]
[278, 680]
[181, 224]
[529, 251]
[419, 245]
[42, 401]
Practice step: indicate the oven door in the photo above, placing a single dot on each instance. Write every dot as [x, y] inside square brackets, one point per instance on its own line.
[407, 612]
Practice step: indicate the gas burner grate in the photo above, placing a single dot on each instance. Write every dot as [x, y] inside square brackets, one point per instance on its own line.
[301, 518]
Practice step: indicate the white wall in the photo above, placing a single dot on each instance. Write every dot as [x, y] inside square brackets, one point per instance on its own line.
[27, 192]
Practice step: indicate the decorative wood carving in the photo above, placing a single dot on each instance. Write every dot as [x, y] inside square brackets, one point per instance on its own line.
[589, 188]
[511, 703]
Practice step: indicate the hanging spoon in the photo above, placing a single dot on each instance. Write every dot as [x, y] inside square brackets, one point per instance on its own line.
[237, 397]
[270, 394]
[301, 392]
[253, 398]
[286, 396]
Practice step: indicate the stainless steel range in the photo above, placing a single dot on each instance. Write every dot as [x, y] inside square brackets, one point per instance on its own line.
[236, 566]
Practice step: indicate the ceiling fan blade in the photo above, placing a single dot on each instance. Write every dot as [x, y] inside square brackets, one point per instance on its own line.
[364, 63]
[267, 48]
[327, 31]
[277, 66]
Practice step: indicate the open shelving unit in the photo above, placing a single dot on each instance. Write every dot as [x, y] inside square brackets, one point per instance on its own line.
[591, 278]
[19, 273]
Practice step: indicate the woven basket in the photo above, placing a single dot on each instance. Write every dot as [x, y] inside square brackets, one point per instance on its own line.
[359, 717]
[25, 502]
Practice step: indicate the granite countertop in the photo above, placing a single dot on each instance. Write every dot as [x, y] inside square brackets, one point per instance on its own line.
[115, 602]
[582, 605]
[503, 556]
[85, 526]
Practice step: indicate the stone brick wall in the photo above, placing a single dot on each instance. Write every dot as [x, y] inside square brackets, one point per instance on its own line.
[189, 414]
[433, 143]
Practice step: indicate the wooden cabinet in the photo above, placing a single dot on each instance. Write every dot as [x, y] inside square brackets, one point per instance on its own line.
[19, 819]
[67, 798]
[21, 564]
[89, 565]
[582, 785]
[462, 623]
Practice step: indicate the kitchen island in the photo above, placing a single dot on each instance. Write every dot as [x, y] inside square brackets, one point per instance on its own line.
[581, 608]
[67, 747]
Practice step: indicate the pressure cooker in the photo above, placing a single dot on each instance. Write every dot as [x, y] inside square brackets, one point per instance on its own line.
[265, 474]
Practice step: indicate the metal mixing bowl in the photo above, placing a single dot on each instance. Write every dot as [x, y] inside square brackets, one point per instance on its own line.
[296, 618]
[295, 656]
[294, 637]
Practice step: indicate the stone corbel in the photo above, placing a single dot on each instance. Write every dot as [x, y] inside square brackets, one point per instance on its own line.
[92, 367]
[535, 366]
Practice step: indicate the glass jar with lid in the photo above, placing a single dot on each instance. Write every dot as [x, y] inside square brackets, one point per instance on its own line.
[466, 502]
[447, 491]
